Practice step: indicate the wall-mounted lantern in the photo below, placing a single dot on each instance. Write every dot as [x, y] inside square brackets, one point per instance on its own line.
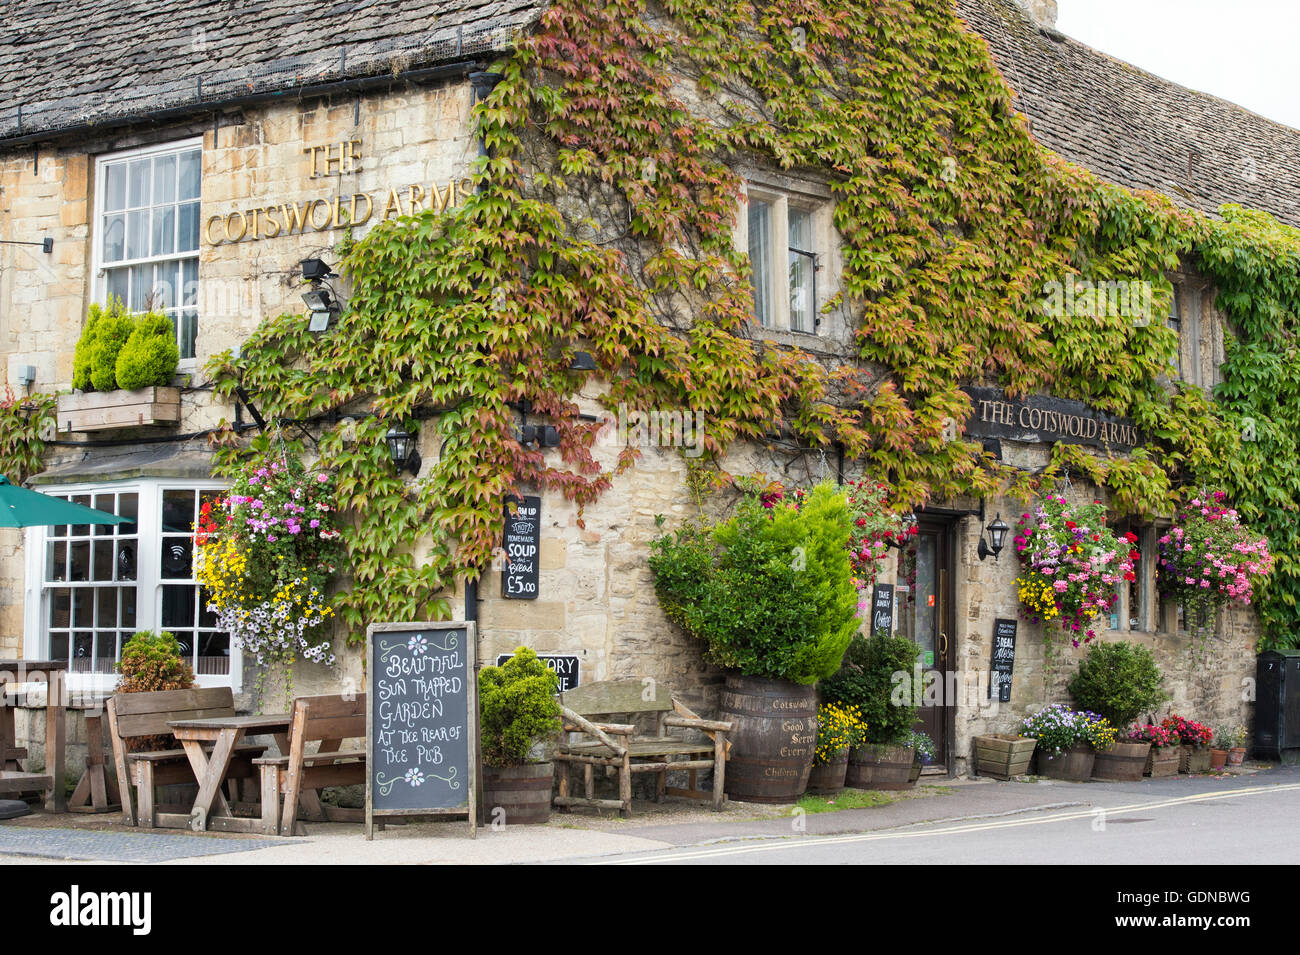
[997, 537]
[401, 448]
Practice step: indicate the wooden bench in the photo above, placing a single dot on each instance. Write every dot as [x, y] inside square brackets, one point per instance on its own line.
[132, 715]
[297, 778]
[617, 748]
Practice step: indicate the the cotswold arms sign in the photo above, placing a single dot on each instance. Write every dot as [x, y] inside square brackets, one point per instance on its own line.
[267, 220]
[1041, 419]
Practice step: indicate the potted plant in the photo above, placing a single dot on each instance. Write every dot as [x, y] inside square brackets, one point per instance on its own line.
[1003, 755]
[770, 592]
[1194, 743]
[1237, 737]
[839, 728]
[518, 713]
[869, 680]
[1119, 681]
[1219, 752]
[1068, 740]
[1164, 755]
[151, 662]
[923, 753]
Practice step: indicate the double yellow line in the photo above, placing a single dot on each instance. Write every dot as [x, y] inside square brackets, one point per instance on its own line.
[805, 842]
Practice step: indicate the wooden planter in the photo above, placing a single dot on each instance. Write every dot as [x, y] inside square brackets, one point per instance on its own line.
[774, 739]
[915, 774]
[826, 779]
[106, 410]
[1072, 765]
[1122, 762]
[521, 793]
[1163, 761]
[1193, 759]
[877, 766]
[1002, 755]
[1218, 758]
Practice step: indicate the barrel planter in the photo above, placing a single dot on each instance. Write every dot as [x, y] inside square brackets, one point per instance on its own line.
[1002, 755]
[774, 739]
[826, 779]
[1122, 762]
[1193, 759]
[1163, 761]
[1236, 755]
[1072, 765]
[1218, 758]
[881, 766]
[521, 793]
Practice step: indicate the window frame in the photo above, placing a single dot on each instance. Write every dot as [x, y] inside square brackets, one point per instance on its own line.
[99, 268]
[148, 577]
[781, 200]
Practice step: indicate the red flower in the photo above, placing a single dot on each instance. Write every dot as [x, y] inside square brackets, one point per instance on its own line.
[1130, 576]
[1134, 555]
[1131, 537]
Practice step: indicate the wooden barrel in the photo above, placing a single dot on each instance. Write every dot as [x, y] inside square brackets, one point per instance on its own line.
[774, 739]
[828, 778]
[517, 795]
[880, 766]
[1074, 764]
[1121, 762]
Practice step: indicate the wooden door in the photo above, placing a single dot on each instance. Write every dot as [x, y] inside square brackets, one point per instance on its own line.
[926, 615]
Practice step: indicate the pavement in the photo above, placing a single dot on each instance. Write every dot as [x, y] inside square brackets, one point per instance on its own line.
[939, 805]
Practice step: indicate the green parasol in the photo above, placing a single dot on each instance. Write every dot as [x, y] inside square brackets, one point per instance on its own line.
[20, 507]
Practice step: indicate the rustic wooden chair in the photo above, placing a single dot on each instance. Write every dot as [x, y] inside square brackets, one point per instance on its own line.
[132, 715]
[617, 748]
[295, 779]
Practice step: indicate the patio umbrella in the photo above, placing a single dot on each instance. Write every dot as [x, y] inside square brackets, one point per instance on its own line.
[20, 507]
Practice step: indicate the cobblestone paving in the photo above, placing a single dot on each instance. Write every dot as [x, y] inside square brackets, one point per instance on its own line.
[118, 846]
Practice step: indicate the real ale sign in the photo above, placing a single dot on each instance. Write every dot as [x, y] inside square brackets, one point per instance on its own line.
[521, 543]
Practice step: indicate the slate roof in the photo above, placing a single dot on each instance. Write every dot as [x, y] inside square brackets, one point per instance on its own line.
[67, 63]
[1135, 129]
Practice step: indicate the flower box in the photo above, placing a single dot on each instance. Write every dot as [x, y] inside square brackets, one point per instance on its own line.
[1163, 761]
[1193, 759]
[106, 410]
[1002, 755]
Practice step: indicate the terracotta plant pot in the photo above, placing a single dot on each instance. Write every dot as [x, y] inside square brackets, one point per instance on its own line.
[826, 779]
[1163, 761]
[1236, 755]
[1003, 755]
[1193, 759]
[879, 766]
[1072, 765]
[1218, 757]
[1123, 762]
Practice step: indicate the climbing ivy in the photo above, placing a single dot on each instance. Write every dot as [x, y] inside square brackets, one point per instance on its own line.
[603, 219]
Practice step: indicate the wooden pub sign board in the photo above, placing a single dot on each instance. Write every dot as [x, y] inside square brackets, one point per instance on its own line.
[1004, 660]
[421, 722]
[521, 540]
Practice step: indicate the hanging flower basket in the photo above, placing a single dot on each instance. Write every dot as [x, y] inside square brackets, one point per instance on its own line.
[1209, 558]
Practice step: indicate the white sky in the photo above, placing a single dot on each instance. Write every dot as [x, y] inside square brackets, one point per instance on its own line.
[1245, 51]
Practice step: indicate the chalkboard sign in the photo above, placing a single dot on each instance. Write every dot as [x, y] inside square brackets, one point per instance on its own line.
[882, 608]
[421, 721]
[566, 667]
[1004, 660]
[521, 542]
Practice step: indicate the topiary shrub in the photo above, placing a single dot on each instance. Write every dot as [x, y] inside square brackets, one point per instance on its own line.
[879, 678]
[81, 361]
[1118, 681]
[770, 591]
[150, 354]
[152, 661]
[517, 708]
[111, 333]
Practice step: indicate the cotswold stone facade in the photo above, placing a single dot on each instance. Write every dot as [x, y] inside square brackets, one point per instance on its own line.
[287, 164]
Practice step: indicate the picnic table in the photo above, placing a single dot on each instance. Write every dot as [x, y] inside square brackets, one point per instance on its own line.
[12, 777]
[210, 745]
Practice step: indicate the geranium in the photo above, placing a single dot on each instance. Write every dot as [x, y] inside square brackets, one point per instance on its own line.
[1189, 732]
[1158, 736]
[1209, 558]
[1071, 564]
[876, 525]
[266, 551]
[1057, 728]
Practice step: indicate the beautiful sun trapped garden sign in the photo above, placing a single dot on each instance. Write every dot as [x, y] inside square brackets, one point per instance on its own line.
[421, 721]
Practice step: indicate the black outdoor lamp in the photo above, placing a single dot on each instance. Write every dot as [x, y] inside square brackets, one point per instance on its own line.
[319, 301]
[997, 539]
[401, 448]
[582, 361]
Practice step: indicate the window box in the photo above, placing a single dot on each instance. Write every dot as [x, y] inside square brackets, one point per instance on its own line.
[105, 410]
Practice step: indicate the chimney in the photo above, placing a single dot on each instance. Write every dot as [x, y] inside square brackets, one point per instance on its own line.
[1042, 12]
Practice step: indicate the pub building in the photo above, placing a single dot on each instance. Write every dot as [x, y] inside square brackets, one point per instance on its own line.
[200, 173]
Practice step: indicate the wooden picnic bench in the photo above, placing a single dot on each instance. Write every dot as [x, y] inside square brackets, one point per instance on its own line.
[132, 715]
[617, 747]
[294, 780]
